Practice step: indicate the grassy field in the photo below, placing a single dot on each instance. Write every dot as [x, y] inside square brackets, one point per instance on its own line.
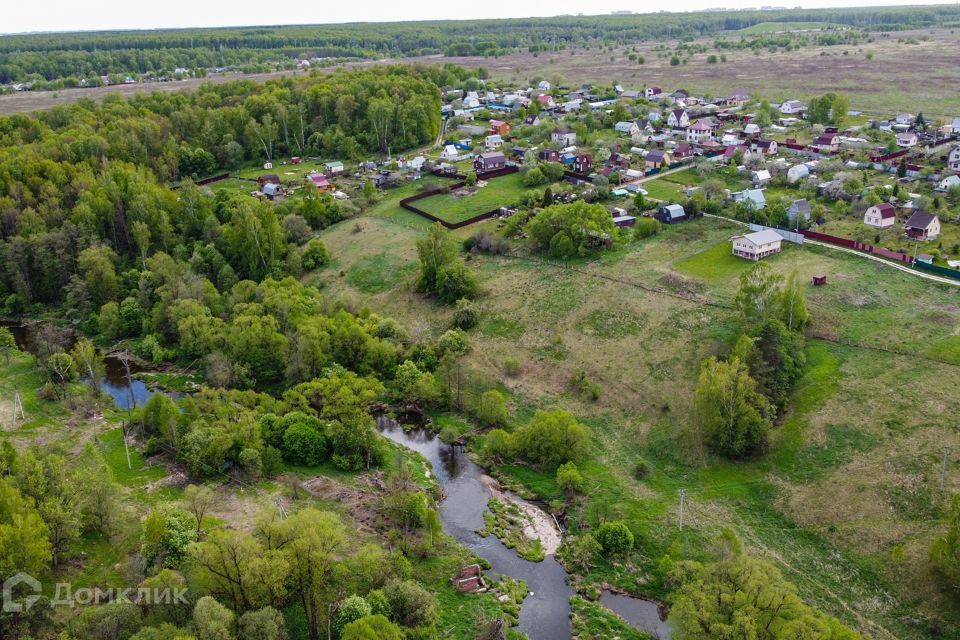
[845, 503]
[784, 27]
[498, 192]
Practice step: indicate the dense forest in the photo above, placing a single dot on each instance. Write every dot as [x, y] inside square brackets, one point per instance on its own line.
[90, 55]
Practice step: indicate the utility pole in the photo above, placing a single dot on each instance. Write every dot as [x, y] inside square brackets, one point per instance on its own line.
[683, 493]
[125, 447]
[18, 408]
[943, 470]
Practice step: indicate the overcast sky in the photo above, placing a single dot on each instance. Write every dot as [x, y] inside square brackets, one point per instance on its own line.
[74, 15]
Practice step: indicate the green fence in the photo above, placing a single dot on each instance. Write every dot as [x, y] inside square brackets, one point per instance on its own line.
[933, 268]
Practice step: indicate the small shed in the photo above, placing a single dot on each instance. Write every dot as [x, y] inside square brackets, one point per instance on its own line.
[820, 279]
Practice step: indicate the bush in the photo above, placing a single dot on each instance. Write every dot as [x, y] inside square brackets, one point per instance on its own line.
[315, 254]
[511, 367]
[615, 537]
[569, 479]
[351, 609]
[305, 445]
[641, 470]
[498, 445]
[492, 409]
[552, 438]
[646, 227]
[410, 604]
[466, 315]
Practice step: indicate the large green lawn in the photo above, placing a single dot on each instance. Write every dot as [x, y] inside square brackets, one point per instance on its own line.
[498, 192]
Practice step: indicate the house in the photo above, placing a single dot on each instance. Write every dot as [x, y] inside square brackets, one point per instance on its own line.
[450, 152]
[682, 150]
[923, 226]
[670, 213]
[624, 221]
[907, 140]
[486, 162]
[948, 183]
[384, 179]
[268, 178]
[756, 245]
[532, 120]
[760, 177]
[955, 125]
[627, 128]
[793, 107]
[738, 98]
[797, 172]
[827, 142]
[751, 130]
[471, 102]
[499, 127]
[880, 216]
[563, 136]
[652, 92]
[752, 198]
[767, 147]
[583, 164]
[320, 181]
[519, 152]
[333, 168]
[678, 119]
[631, 96]
[543, 85]
[799, 210]
[549, 155]
[573, 105]
[699, 132]
[546, 101]
[904, 118]
[657, 159]
[953, 160]
[493, 141]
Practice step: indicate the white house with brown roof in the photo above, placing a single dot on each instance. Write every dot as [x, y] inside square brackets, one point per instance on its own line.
[923, 226]
[756, 245]
[678, 119]
[907, 140]
[880, 216]
[699, 132]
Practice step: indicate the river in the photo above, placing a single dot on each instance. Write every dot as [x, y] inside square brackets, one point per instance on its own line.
[545, 614]
[125, 393]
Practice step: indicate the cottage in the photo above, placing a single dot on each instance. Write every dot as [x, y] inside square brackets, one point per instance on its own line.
[486, 162]
[880, 216]
[953, 160]
[760, 177]
[268, 178]
[583, 164]
[543, 85]
[699, 132]
[450, 152]
[948, 183]
[829, 142]
[752, 198]
[630, 96]
[751, 130]
[627, 128]
[907, 140]
[799, 210]
[271, 190]
[471, 102]
[657, 159]
[756, 245]
[923, 226]
[624, 221]
[548, 155]
[793, 107]
[320, 181]
[333, 168]
[499, 127]
[767, 147]
[670, 213]
[652, 92]
[563, 136]
[738, 98]
[678, 119]
[904, 118]
[532, 120]
[493, 142]
[682, 150]
[546, 102]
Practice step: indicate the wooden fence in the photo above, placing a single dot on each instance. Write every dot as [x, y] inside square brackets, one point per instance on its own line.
[406, 203]
[859, 246]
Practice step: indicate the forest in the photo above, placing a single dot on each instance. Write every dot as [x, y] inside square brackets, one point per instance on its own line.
[70, 57]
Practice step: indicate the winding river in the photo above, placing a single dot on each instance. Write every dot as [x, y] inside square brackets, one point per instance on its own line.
[545, 614]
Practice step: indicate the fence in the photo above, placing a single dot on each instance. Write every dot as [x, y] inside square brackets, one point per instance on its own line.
[406, 203]
[937, 269]
[859, 246]
[496, 173]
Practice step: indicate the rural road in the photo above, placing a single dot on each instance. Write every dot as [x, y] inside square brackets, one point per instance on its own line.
[905, 269]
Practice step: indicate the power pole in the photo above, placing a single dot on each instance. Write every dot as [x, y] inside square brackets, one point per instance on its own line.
[125, 447]
[18, 408]
[683, 493]
[943, 470]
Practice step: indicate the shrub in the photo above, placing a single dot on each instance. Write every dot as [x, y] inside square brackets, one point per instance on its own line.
[304, 444]
[615, 537]
[641, 470]
[511, 367]
[315, 254]
[466, 315]
[492, 409]
[646, 227]
[569, 479]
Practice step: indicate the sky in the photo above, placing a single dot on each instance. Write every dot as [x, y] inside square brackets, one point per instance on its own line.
[85, 15]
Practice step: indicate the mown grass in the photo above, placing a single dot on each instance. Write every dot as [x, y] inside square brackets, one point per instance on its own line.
[379, 273]
[498, 192]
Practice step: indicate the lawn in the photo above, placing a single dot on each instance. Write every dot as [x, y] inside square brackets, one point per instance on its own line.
[714, 264]
[498, 192]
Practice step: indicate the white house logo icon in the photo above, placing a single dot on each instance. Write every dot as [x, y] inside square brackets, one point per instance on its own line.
[12, 605]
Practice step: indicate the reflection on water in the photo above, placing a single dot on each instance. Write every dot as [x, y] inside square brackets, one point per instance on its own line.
[641, 614]
[545, 613]
[126, 392]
